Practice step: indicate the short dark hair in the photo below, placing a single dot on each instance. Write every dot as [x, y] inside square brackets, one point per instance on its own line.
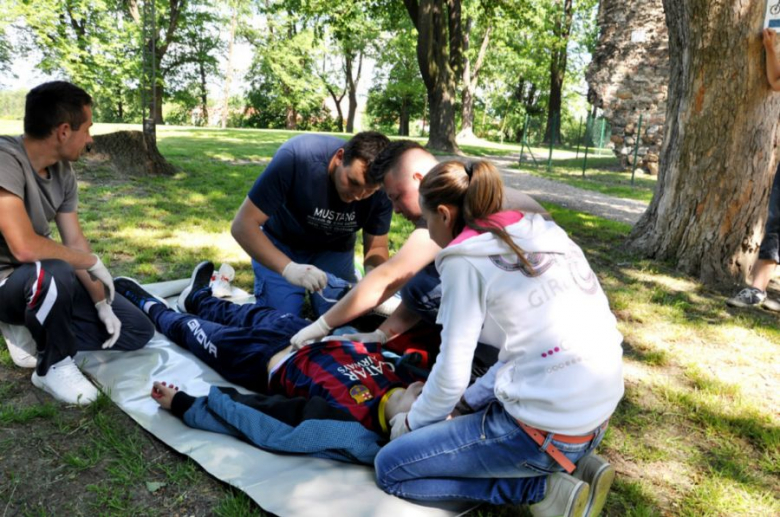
[364, 146]
[50, 104]
[388, 159]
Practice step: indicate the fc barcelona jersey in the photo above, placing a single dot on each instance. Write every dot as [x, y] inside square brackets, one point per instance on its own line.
[350, 376]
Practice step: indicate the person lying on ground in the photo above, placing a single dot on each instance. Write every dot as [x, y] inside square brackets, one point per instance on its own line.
[344, 392]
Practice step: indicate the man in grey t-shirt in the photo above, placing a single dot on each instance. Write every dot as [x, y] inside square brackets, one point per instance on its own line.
[60, 291]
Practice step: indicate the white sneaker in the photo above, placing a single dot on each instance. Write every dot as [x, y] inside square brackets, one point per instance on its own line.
[220, 281]
[21, 345]
[65, 382]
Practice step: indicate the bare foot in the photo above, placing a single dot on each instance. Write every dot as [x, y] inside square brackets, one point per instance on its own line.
[163, 393]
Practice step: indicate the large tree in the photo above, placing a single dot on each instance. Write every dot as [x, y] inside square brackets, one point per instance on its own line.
[439, 49]
[718, 155]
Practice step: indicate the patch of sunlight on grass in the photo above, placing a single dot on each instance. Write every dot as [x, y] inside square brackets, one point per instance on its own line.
[725, 417]
[711, 385]
[671, 283]
[716, 495]
[231, 251]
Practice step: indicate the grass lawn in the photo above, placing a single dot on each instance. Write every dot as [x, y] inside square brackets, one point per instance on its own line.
[697, 433]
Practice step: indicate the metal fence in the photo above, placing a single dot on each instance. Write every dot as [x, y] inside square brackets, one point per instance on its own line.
[590, 136]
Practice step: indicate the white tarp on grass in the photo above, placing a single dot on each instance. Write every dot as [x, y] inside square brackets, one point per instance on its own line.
[286, 485]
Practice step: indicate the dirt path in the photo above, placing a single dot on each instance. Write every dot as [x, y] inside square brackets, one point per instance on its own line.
[612, 208]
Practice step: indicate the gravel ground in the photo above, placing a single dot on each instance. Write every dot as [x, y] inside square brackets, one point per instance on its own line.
[613, 208]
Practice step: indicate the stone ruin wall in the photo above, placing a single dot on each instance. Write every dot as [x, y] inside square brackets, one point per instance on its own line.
[629, 76]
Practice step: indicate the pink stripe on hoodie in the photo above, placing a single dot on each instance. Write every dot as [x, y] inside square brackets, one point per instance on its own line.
[503, 219]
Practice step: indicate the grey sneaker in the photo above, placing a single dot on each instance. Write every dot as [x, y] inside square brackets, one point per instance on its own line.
[566, 496]
[747, 297]
[599, 474]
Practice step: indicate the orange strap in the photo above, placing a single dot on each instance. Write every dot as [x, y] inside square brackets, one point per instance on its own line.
[539, 436]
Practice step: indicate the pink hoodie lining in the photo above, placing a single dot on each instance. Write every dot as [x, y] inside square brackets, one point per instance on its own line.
[503, 219]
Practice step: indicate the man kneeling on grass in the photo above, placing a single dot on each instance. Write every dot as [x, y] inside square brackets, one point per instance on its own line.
[331, 399]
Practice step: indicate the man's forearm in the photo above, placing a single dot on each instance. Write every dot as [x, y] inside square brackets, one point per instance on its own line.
[374, 259]
[42, 248]
[95, 288]
[376, 287]
[258, 246]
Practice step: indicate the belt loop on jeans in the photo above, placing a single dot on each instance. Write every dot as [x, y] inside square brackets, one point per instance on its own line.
[544, 440]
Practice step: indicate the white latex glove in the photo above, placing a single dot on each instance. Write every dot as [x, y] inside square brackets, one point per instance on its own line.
[99, 272]
[306, 276]
[377, 336]
[313, 332]
[398, 426]
[109, 319]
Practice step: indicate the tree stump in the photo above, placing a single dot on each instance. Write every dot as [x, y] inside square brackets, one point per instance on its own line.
[130, 153]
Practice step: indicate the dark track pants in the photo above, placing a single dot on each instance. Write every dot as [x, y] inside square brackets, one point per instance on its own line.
[48, 299]
[236, 340]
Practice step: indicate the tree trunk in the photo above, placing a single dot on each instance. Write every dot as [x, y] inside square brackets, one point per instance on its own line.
[352, 85]
[337, 102]
[130, 153]
[229, 69]
[291, 118]
[158, 101]
[439, 45]
[204, 94]
[442, 121]
[716, 164]
[424, 115]
[403, 124]
[562, 30]
[470, 81]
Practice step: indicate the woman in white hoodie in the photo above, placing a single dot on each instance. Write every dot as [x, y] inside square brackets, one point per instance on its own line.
[518, 283]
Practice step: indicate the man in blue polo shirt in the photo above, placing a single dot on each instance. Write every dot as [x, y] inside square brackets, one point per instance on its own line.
[300, 219]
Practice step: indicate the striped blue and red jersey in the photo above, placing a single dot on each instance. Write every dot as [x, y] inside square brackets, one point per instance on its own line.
[349, 375]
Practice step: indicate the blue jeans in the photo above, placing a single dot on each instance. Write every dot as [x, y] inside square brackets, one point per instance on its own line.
[770, 245]
[272, 290]
[484, 456]
[422, 294]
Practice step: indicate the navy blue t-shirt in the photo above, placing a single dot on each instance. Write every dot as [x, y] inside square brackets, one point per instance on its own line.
[303, 208]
